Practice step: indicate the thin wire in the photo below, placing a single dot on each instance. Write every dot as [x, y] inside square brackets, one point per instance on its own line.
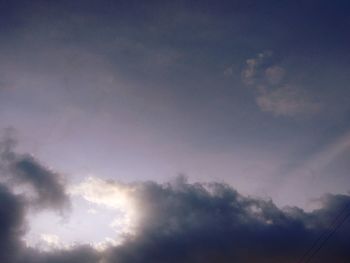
[324, 234]
[328, 237]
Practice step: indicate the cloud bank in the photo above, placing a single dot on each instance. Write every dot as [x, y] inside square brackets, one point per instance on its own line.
[176, 221]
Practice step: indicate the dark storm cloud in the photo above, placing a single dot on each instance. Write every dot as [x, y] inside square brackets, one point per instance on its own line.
[178, 222]
[24, 169]
[184, 222]
[12, 211]
[200, 222]
[51, 192]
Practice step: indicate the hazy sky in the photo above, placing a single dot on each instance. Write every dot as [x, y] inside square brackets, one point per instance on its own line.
[254, 94]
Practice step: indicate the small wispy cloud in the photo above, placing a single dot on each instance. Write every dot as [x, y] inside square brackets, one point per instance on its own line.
[275, 94]
[253, 66]
[286, 101]
[275, 74]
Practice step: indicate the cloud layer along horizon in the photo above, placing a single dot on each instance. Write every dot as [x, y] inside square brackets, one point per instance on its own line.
[176, 221]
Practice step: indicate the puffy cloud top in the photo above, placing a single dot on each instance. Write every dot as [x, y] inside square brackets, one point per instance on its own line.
[171, 222]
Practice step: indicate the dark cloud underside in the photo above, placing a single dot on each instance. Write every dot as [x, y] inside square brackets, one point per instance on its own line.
[24, 169]
[183, 222]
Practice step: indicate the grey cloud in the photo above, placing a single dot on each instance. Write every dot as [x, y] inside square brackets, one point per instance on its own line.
[194, 222]
[275, 94]
[12, 211]
[26, 170]
[177, 222]
[51, 194]
[212, 222]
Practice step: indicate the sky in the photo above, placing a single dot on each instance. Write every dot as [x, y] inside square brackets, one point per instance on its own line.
[173, 131]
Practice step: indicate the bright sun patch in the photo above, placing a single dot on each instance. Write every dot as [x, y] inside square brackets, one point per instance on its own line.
[102, 213]
[114, 196]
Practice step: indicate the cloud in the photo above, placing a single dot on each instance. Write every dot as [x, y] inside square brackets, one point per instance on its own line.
[274, 94]
[18, 170]
[286, 101]
[206, 222]
[12, 212]
[252, 69]
[199, 222]
[112, 195]
[25, 170]
[50, 241]
[176, 221]
[274, 74]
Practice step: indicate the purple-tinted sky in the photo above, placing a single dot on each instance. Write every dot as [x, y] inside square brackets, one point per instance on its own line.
[245, 92]
[254, 94]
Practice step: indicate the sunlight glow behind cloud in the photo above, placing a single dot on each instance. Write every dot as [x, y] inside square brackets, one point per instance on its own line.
[97, 204]
[110, 195]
